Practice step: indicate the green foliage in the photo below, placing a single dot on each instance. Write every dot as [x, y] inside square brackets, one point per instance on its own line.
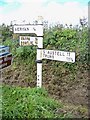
[26, 52]
[21, 103]
[5, 31]
[68, 40]
[13, 44]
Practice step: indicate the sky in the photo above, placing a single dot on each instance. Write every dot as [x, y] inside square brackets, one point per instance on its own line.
[25, 11]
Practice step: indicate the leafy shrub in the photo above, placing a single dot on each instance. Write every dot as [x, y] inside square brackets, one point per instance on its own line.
[26, 52]
[13, 44]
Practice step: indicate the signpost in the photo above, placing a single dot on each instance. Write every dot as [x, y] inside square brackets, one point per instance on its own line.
[5, 61]
[41, 53]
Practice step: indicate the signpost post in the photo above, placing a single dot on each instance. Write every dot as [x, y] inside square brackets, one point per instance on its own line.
[39, 64]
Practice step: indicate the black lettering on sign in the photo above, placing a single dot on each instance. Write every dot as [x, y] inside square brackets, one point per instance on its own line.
[47, 52]
[25, 42]
[57, 53]
[43, 53]
[31, 42]
[15, 29]
[27, 29]
[36, 41]
[22, 43]
[50, 56]
[63, 54]
[68, 53]
[34, 29]
[69, 59]
[50, 52]
[22, 38]
[20, 28]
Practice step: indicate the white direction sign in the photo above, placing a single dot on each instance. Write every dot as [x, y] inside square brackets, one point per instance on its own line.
[58, 55]
[37, 29]
[27, 40]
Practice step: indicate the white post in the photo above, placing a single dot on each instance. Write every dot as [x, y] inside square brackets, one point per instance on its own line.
[39, 61]
[39, 75]
[39, 67]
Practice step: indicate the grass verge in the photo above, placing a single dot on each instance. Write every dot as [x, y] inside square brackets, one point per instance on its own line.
[26, 103]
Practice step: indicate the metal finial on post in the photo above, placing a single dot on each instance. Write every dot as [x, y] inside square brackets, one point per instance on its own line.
[40, 20]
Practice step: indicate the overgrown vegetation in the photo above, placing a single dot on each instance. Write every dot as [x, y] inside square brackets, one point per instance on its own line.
[56, 39]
